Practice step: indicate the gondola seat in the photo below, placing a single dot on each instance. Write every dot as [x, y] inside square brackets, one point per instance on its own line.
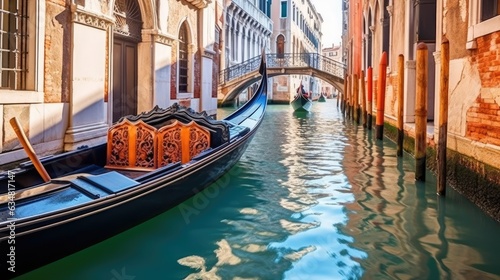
[162, 137]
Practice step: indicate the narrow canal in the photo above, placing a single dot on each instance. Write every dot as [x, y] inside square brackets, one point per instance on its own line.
[313, 197]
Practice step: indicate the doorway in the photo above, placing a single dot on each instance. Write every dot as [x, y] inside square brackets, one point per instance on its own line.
[124, 78]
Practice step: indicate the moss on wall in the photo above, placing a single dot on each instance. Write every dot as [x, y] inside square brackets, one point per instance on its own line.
[478, 182]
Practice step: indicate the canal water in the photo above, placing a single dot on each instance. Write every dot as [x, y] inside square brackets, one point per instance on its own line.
[313, 197]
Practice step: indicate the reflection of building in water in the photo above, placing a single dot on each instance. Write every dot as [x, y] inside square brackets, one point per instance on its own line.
[396, 222]
[470, 29]
[335, 53]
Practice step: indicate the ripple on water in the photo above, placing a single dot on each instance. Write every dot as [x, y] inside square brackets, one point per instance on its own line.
[313, 197]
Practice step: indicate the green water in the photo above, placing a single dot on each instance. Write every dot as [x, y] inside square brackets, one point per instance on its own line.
[313, 197]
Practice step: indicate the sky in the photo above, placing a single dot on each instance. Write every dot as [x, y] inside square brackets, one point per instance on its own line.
[331, 12]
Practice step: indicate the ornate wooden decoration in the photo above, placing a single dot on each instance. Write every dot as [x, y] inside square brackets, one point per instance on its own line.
[181, 142]
[128, 20]
[135, 143]
[169, 144]
[145, 146]
[131, 146]
[159, 117]
[199, 139]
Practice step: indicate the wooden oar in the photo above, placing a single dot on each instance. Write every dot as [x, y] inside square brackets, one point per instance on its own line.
[29, 149]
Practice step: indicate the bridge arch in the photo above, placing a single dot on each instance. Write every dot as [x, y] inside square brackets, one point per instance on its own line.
[234, 79]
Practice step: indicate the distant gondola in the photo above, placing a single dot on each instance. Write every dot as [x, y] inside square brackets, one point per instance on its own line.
[322, 98]
[301, 101]
[152, 162]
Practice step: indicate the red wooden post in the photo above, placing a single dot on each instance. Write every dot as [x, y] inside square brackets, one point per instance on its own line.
[401, 78]
[369, 85]
[379, 125]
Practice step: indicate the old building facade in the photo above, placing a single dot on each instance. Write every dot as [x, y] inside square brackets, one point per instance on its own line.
[71, 68]
[297, 29]
[333, 52]
[472, 28]
[247, 31]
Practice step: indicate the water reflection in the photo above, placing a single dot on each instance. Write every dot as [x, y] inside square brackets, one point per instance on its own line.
[314, 197]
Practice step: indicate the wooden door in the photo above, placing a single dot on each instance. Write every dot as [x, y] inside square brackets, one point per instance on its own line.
[124, 78]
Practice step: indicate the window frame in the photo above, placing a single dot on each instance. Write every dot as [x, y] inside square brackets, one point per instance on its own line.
[284, 9]
[183, 62]
[478, 28]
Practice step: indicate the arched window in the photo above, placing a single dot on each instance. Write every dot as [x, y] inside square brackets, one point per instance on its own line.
[280, 46]
[183, 58]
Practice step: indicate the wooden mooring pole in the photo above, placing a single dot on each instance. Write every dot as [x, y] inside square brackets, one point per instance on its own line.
[344, 94]
[363, 97]
[401, 79]
[355, 97]
[369, 85]
[421, 112]
[351, 90]
[443, 117]
[338, 97]
[382, 73]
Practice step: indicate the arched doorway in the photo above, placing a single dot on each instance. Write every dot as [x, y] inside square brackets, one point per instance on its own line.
[127, 34]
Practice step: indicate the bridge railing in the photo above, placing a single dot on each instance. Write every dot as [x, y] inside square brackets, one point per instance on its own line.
[286, 60]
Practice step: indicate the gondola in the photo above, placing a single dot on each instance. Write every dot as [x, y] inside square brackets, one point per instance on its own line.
[301, 102]
[151, 162]
[322, 98]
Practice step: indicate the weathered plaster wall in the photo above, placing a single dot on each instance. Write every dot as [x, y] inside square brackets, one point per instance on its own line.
[455, 27]
[57, 50]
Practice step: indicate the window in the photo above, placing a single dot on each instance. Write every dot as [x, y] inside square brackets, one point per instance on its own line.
[284, 9]
[425, 21]
[489, 9]
[183, 58]
[484, 19]
[13, 44]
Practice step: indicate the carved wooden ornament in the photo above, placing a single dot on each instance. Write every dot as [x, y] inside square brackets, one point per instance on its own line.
[131, 146]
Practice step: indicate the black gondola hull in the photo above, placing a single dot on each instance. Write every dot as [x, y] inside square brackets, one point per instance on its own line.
[301, 103]
[39, 242]
[88, 202]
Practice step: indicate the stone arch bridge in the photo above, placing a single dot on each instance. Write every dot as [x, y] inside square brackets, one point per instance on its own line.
[236, 78]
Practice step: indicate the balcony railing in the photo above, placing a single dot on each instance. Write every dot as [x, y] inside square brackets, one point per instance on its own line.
[287, 60]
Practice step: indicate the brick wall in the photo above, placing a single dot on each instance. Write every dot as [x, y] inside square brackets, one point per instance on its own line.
[483, 118]
[487, 57]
